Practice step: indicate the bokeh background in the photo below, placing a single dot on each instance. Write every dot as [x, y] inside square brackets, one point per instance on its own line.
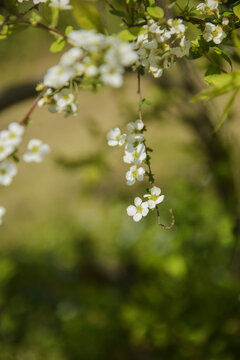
[79, 280]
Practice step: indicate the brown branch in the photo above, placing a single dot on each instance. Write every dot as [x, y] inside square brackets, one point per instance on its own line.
[32, 107]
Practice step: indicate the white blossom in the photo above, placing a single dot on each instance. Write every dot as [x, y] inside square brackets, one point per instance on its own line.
[36, 151]
[2, 212]
[60, 4]
[58, 75]
[134, 174]
[135, 155]
[135, 138]
[183, 49]
[5, 149]
[120, 53]
[176, 26]
[12, 136]
[115, 137]
[7, 171]
[135, 127]
[214, 33]
[225, 21]
[111, 76]
[154, 198]
[71, 56]
[89, 40]
[209, 7]
[64, 102]
[138, 210]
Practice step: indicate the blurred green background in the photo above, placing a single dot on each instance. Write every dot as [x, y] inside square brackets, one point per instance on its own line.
[79, 280]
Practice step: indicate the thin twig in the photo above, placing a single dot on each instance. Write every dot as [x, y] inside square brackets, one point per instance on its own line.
[32, 107]
[38, 25]
[150, 173]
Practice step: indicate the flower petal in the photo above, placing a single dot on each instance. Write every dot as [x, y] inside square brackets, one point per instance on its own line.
[131, 210]
[137, 217]
[137, 201]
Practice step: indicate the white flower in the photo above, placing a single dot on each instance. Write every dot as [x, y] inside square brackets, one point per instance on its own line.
[135, 138]
[154, 198]
[58, 75]
[36, 151]
[2, 212]
[71, 56]
[87, 39]
[111, 76]
[7, 172]
[12, 136]
[134, 174]
[60, 4]
[114, 137]
[139, 210]
[5, 149]
[183, 49]
[176, 26]
[134, 155]
[209, 7]
[45, 99]
[65, 102]
[134, 127]
[91, 71]
[214, 33]
[225, 21]
[120, 53]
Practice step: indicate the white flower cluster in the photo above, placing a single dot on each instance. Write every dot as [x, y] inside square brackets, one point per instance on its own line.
[135, 154]
[10, 139]
[213, 32]
[57, 4]
[94, 55]
[63, 101]
[135, 150]
[141, 208]
[159, 45]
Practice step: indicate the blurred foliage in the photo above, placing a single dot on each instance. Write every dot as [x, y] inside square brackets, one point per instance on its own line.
[121, 290]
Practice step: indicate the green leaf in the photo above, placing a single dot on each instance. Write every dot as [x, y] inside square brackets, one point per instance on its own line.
[236, 10]
[226, 110]
[86, 15]
[236, 41]
[68, 29]
[2, 19]
[223, 84]
[130, 33]
[156, 12]
[117, 13]
[222, 54]
[145, 102]
[57, 45]
[54, 17]
[211, 71]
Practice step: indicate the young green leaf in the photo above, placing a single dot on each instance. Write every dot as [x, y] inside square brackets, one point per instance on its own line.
[130, 33]
[156, 12]
[57, 45]
[86, 15]
[226, 110]
[236, 10]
